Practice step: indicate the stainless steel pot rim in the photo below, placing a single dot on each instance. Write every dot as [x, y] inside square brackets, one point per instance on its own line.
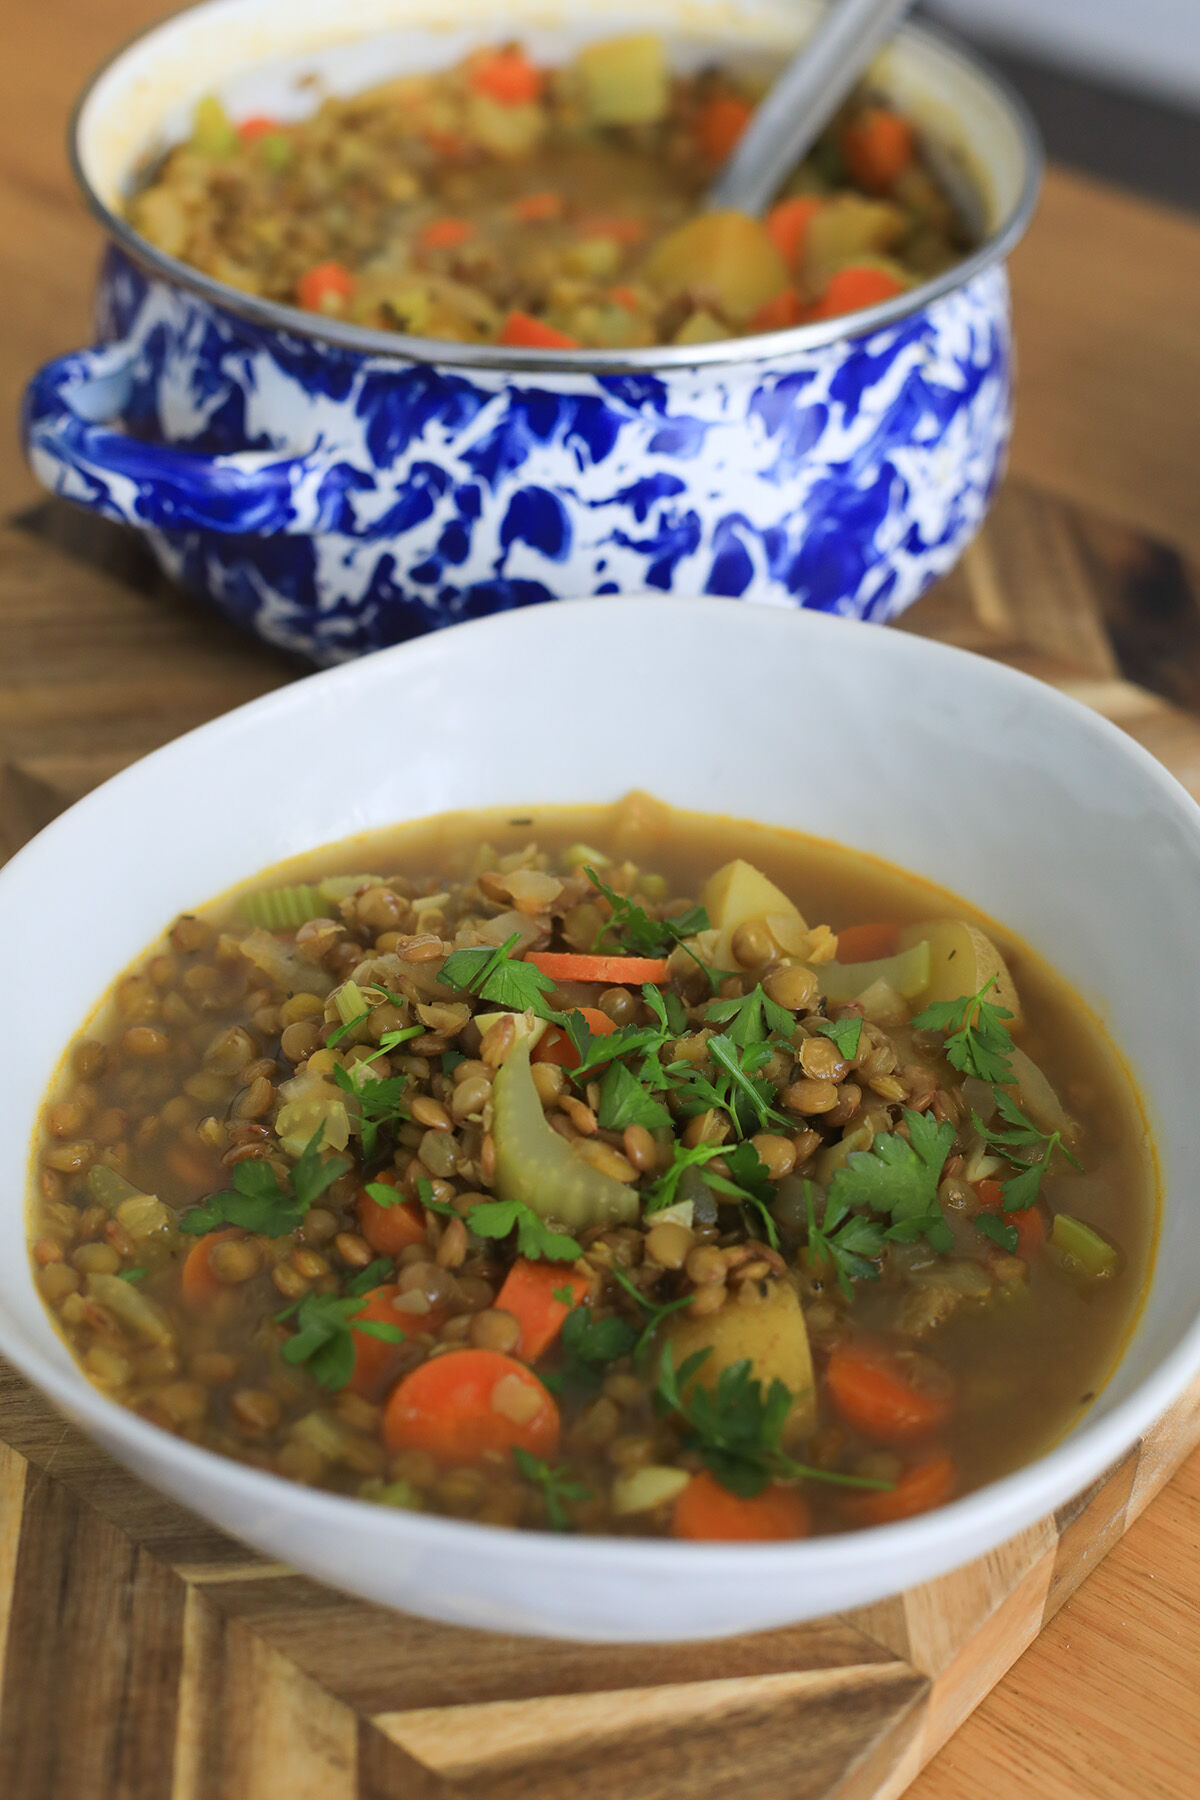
[768, 348]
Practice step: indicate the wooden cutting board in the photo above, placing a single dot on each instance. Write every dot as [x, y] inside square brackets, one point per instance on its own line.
[144, 1656]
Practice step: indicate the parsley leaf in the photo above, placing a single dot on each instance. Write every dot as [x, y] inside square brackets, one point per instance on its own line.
[379, 1103]
[324, 1337]
[260, 1203]
[374, 1275]
[845, 1240]
[899, 1178]
[737, 1425]
[535, 1239]
[989, 1226]
[667, 1008]
[845, 1033]
[493, 975]
[977, 1041]
[744, 1091]
[656, 1311]
[1020, 1133]
[425, 1196]
[752, 1019]
[624, 1101]
[588, 1346]
[132, 1274]
[343, 1031]
[558, 1487]
[663, 1192]
[640, 933]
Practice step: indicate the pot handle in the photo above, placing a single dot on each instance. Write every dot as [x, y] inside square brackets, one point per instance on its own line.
[75, 447]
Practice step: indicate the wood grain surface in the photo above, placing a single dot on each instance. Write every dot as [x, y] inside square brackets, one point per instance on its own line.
[143, 1657]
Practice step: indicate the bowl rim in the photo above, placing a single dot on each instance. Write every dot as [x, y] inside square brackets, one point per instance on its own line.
[1020, 1498]
[764, 347]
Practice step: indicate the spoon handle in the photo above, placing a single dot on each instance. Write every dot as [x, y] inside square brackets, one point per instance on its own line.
[802, 102]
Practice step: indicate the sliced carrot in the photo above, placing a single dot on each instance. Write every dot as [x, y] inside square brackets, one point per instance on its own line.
[260, 126]
[710, 1513]
[507, 76]
[1030, 1223]
[565, 965]
[874, 1393]
[877, 147]
[780, 313]
[720, 123]
[620, 226]
[866, 943]
[467, 1403]
[524, 332]
[389, 1229]
[924, 1485]
[197, 1283]
[538, 209]
[375, 1360]
[445, 234]
[788, 225]
[327, 283]
[529, 1294]
[853, 288]
[625, 296]
[554, 1046]
[448, 144]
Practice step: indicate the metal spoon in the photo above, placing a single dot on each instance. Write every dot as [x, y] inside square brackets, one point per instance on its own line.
[802, 102]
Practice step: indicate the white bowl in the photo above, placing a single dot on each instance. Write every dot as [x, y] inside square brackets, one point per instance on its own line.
[1042, 814]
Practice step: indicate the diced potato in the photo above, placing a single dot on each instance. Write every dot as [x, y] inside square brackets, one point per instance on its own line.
[962, 959]
[907, 973]
[848, 229]
[725, 259]
[738, 894]
[213, 132]
[625, 80]
[772, 1334]
[701, 328]
[511, 131]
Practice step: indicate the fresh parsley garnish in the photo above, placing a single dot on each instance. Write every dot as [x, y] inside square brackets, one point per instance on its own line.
[638, 932]
[656, 1311]
[374, 1275]
[752, 1019]
[588, 1346]
[425, 1196]
[324, 1336]
[260, 1202]
[132, 1274]
[343, 1031]
[845, 1033]
[559, 1489]
[493, 975]
[379, 1104]
[624, 1101]
[1020, 1133]
[898, 1177]
[535, 1239]
[737, 1426]
[977, 1040]
[990, 1225]
[845, 1240]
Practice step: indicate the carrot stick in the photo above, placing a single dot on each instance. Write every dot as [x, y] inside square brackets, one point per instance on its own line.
[530, 1294]
[197, 1283]
[920, 1488]
[507, 76]
[375, 1360]
[1030, 1223]
[467, 1403]
[788, 225]
[707, 1511]
[719, 125]
[625, 296]
[524, 332]
[853, 288]
[260, 126]
[866, 943]
[875, 1394]
[554, 1046]
[537, 209]
[565, 965]
[878, 147]
[780, 313]
[326, 286]
[445, 234]
[389, 1229]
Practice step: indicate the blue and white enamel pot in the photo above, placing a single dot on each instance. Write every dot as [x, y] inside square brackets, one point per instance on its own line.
[336, 489]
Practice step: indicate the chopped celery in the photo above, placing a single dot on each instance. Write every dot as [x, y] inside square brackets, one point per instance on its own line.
[284, 908]
[625, 80]
[108, 1189]
[580, 856]
[1083, 1248]
[276, 960]
[136, 1310]
[536, 1166]
[907, 972]
[213, 132]
[350, 1001]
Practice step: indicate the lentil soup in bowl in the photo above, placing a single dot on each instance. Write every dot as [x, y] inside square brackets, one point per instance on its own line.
[403, 324]
[515, 1210]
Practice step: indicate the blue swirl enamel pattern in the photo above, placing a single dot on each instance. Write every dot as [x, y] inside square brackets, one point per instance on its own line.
[336, 502]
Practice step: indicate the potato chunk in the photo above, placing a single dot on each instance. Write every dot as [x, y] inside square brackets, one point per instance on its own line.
[738, 894]
[961, 959]
[771, 1332]
[722, 259]
[625, 80]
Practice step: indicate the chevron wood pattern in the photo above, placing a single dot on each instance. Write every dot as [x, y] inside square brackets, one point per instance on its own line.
[144, 1656]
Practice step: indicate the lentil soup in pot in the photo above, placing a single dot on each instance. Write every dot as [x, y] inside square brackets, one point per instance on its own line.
[607, 1170]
